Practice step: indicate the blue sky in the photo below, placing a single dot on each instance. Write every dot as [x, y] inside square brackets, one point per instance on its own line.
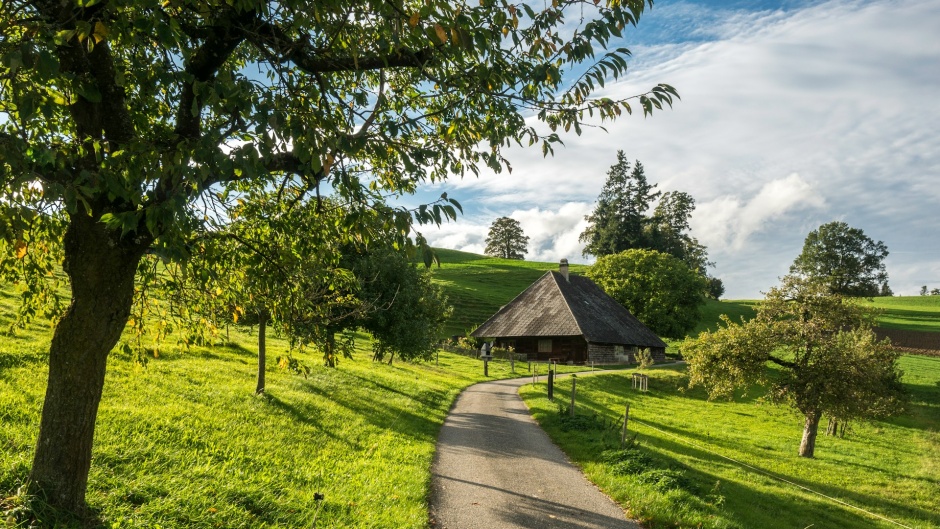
[793, 114]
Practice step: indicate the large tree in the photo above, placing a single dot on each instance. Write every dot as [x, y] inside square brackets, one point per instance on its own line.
[845, 259]
[619, 219]
[828, 359]
[124, 126]
[659, 289]
[506, 239]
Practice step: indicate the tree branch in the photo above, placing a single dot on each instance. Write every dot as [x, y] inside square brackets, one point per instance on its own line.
[271, 37]
[781, 362]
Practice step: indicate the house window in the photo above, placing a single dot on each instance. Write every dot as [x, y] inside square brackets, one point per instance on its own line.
[545, 346]
[618, 349]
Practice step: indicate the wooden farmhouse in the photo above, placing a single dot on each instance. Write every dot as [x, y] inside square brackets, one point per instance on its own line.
[571, 319]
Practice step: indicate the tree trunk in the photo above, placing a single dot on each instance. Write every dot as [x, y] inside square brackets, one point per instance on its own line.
[262, 328]
[810, 428]
[101, 269]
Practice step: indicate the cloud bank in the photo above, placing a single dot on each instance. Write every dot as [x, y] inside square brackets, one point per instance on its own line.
[788, 119]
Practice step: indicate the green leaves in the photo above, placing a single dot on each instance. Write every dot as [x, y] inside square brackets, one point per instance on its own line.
[659, 289]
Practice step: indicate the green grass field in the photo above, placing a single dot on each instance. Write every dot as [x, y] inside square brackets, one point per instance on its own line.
[889, 468]
[915, 313]
[184, 442]
[477, 286]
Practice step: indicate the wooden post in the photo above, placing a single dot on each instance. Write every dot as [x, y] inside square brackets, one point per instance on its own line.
[512, 362]
[551, 385]
[626, 417]
[486, 367]
[574, 385]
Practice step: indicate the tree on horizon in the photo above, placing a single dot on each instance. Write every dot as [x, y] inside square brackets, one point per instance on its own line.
[506, 239]
[849, 262]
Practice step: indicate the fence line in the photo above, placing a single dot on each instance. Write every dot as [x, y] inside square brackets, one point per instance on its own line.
[770, 475]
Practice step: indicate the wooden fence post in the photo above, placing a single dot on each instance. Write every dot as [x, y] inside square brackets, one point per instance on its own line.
[551, 385]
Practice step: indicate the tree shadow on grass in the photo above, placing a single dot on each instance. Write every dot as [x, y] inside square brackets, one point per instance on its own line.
[856, 499]
[380, 414]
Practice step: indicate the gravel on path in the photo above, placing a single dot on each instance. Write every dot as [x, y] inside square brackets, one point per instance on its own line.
[495, 468]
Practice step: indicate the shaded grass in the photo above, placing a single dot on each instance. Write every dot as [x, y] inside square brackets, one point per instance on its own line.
[887, 467]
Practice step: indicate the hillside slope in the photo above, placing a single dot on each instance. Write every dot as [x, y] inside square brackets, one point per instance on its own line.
[477, 286]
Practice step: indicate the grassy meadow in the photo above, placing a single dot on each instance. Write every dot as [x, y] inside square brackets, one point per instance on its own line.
[183, 442]
[914, 313]
[477, 286]
[682, 474]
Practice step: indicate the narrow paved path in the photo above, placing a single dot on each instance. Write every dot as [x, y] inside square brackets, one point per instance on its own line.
[496, 469]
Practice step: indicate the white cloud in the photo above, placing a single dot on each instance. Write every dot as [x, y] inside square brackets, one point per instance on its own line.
[788, 119]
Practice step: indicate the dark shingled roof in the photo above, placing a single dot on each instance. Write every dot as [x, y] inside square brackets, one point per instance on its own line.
[553, 306]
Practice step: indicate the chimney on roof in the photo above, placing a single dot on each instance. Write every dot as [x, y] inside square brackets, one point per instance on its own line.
[563, 268]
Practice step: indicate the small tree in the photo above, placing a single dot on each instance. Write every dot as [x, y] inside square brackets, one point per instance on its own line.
[659, 289]
[506, 239]
[715, 289]
[828, 358]
[923, 290]
[844, 258]
[644, 358]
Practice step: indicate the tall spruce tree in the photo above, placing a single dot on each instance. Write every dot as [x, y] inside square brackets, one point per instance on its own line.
[619, 220]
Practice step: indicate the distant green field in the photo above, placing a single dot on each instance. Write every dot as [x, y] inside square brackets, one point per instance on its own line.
[478, 286]
[914, 313]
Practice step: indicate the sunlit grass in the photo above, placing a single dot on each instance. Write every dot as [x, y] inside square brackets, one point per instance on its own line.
[888, 467]
[184, 442]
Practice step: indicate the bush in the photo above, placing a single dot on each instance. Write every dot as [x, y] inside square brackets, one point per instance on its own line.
[664, 479]
[627, 462]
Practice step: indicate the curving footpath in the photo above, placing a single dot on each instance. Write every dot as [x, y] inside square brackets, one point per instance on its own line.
[496, 469]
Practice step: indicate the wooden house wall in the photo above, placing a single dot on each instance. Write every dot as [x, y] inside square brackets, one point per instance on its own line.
[564, 348]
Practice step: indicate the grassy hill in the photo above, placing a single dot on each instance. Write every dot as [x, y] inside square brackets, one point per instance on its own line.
[914, 313]
[183, 442]
[477, 286]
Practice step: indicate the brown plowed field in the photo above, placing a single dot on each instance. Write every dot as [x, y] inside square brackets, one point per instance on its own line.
[916, 342]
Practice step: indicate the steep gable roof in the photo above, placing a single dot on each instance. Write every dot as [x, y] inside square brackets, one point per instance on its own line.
[554, 306]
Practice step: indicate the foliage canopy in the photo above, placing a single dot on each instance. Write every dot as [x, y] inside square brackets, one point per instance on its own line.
[128, 128]
[506, 239]
[659, 289]
[846, 259]
[620, 221]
